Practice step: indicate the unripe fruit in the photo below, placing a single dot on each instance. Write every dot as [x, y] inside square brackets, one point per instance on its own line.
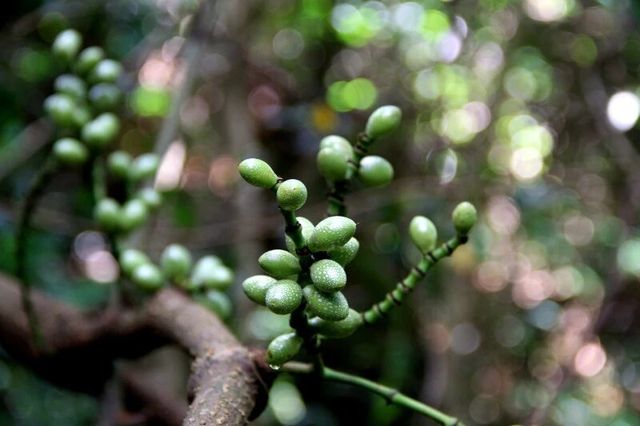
[283, 297]
[148, 277]
[134, 213]
[383, 120]
[332, 164]
[107, 214]
[375, 171]
[61, 109]
[256, 287]
[291, 194]
[279, 263]
[151, 197]
[130, 259]
[105, 96]
[217, 302]
[88, 59]
[81, 116]
[70, 85]
[423, 233]
[283, 348]
[331, 233]
[119, 163]
[143, 167]
[338, 329]
[209, 272]
[66, 45]
[328, 306]
[70, 152]
[328, 276]
[176, 262]
[338, 143]
[257, 173]
[464, 216]
[101, 130]
[106, 71]
[345, 254]
[307, 230]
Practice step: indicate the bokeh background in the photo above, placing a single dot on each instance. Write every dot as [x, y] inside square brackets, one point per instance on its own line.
[526, 108]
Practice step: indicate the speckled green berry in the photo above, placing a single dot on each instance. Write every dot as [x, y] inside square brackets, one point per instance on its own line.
[133, 214]
[256, 287]
[101, 130]
[118, 164]
[148, 277]
[375, 171]
[338, 143]
[279, 263]
[176, 262]
[383, 120]
[144, 167]
[257, 173]
[88, 59]
[283, 297]
[70, 85]
[209, 272]
[464, 216]
[307, 230]
[70, 152]
[107, 214]
[328, 306]
[105, 96]
[66, 45]
[328, 276]
[130, 259]
[217, 302]
[346, 253]
[151, 197]
[291, 194]
[332, 233]
[106, 71]
[283, 348]
[61, 109]
[332, 164]
[423, 233]
[337, 329]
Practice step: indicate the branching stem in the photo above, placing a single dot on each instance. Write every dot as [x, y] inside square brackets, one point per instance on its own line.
[341, 188]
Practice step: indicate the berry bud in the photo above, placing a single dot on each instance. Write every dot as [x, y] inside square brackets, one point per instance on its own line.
[283, 348]
[88, 59]
[70, 152]
[66, 45]
[332, 164]
[101, 130]
[119, 163]
[61, 109]
[279, 263]
[205, 272]
[383, 120]
[176, 262]
[464, 216]
[423, 233]
[148, 277]
[338, 143]
[70, 85]
[106, 71]
[143, 167]
[134, 213]
[258, 173]
[331, 233]
[328, 306]
[291, 194]
[375, 171]
[107, 214]
[105, 96]
[256, 287]
[151, 197]
[345, 254]
[217, 302]
[283, 297]
[130, 259]
[328, 276]
[307, 230]
[337, 329]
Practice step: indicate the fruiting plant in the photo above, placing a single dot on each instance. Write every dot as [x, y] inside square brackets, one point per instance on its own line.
[305, 281]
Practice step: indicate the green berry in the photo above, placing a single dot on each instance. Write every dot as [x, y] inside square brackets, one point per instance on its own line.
[464, 216]
[332, 164]
[151, 197]
[291, 194]
[283, 348]
[88, 59]
[134, 213]
[105, 96]
[283, 297]
[217, 302]
[106, 71]
[81, 116]
[257, 173]
[107, 214]
[143, 167]
[61, 109]
[338, 143]
[176, 262]
[66, 45]
[423, 233]
[70, 152]
[119, 163]
[101, 130]
[209, 272]
[328, 306]
[332, 233]
[148, 277]
[328, 276]
[383, 120]
[279, 263]
[130, 259]
[375, 171]
[345, 254]
[70, 85]
[337, 329]
[307, 230]
[256, 287]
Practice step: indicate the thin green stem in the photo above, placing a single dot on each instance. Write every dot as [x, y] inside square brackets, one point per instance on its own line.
[403, 288]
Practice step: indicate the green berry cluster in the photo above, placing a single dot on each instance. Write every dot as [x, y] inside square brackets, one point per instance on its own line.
[424, 233]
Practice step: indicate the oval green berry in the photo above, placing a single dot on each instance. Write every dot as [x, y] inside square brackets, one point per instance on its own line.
[338, 143]
[256, 287]
[130, 259]
[291, 194]
[61, 108]
[283, 348]
[106, 71]
[70, 85]
[279, 263]
[148, 277]
[307, 230]
[423, 233]
[338, 329]
[144, 167]
[70, 152]
[283, 297]
[101, 130]
[217, 302]
[176, 262]
[332, 164]
[66, 45]
[107, 214]
[331, 233]
[134, 213]
[209, 272]
[81, 116]
[375, 171]
[88, 59]
[119, 163]
[328, 276]
[328, 306]
[345, 254]
[151, 197]
[464, 216]
[105, 96]
[257, 173]
[383, 120]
